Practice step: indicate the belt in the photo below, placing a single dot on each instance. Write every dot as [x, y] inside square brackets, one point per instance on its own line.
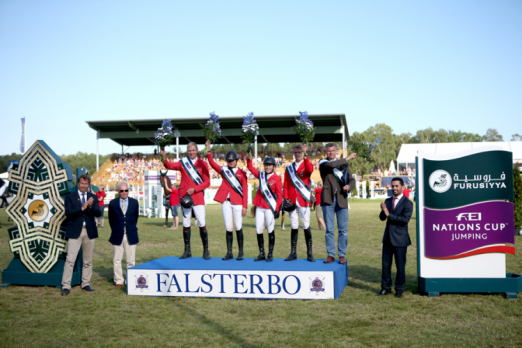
[228, 199]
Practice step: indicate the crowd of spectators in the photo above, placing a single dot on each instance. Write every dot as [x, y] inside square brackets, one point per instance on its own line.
[132, 168]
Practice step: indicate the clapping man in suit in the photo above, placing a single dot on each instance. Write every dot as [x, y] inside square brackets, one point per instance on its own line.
[81, 232]
[123, 217]
[397, 213]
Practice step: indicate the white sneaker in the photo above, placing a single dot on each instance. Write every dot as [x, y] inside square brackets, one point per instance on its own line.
[283, 227]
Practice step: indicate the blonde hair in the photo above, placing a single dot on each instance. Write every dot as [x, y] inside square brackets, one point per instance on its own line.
[192, 144]
[319, 184]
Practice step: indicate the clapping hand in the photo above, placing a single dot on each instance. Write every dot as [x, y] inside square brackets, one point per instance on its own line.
[384, 209]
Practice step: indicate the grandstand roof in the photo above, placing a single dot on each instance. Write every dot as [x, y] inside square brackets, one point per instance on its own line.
[272, 129]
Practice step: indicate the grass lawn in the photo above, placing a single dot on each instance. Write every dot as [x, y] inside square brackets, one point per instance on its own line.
[40, 317]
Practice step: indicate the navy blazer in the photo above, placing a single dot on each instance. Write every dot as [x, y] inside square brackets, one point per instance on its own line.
[397, 222]
[118, 221]
[75, 216]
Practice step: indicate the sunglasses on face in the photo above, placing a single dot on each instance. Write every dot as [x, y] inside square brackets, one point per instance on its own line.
[124, 190]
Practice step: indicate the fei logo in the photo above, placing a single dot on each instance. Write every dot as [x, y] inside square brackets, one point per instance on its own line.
[469, 217]
[440, 181]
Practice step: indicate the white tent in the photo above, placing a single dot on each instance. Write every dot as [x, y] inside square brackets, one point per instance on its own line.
[408, 152]
[4, 176]
[392, 167]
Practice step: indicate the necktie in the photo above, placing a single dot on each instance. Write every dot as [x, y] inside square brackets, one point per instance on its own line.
[83, 199]
[124, 209]
[393, 203]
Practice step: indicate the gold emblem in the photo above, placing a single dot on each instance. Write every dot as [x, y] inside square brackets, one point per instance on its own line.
[38, 210]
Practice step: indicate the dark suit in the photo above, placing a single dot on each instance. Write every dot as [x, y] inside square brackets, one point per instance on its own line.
[395, 242]
[80, 236]
[118, 221]
[76, 216]
[124, 234]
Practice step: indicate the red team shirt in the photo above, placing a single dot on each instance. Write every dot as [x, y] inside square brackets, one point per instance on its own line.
[225, 189]
[275, 184]
[174, 199]
[186, 181]
[101, 197]
[304, 171]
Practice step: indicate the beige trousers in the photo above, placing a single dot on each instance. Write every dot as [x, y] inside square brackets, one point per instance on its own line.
[130, 255]
[73, 247]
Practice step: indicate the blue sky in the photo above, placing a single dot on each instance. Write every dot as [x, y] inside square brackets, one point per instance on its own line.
[410, 64]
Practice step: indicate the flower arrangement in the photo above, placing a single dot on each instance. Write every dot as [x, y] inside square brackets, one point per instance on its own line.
[212, 129]
[250, 128]
[163, 135]
[304, 128]
[364, 149]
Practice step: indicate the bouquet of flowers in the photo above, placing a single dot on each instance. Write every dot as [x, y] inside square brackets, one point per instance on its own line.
[212, 129]
[305, 128]
[163, 135]
[250, 128]
[364, 149]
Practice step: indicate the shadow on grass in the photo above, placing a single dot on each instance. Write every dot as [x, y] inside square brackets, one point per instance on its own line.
[361, 274]
[215, 326]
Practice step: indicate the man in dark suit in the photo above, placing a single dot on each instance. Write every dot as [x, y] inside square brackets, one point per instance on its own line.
[397, 212]
[123, 217]
[81, 232]
[334, 202]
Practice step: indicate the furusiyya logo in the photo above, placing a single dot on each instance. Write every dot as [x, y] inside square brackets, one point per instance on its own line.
[317, 284]
[141, 282]
[440, 181]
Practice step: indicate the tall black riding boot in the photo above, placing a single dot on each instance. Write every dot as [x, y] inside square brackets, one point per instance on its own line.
[271, 241]
[308, 238]
[230, 238]
[186, 240]
[261, 245]
[239, 235]
[204, 238]
[293, 245]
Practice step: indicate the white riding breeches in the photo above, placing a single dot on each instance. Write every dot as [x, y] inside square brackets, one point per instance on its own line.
[234, 211]
[264, 216]
[199, 211]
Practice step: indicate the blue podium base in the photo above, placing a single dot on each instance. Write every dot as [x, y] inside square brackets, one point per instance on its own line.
[510, 285]
[196, 277]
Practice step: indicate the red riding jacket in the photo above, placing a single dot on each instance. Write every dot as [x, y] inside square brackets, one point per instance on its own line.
[274, 181]
[304, 171]
[187, 182]
[225, 189]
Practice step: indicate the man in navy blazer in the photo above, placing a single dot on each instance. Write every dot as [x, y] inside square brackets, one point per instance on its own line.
[123, 217]
[397, 212]
[81, 232]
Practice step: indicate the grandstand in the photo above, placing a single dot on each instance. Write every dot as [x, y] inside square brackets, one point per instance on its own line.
[131, 168]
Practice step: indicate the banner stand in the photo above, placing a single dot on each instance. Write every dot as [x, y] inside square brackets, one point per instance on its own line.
[465, 222]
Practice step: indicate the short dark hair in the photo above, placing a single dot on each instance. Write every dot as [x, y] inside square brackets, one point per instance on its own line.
[330, 145]
[85, 177]
[398, 179]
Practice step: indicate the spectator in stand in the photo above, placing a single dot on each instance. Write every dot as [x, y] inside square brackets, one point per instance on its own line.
[101, 196]
[318, 210]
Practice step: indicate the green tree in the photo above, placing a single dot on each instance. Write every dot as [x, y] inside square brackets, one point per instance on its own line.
[493, 135]
[4, 161]
[516, 137]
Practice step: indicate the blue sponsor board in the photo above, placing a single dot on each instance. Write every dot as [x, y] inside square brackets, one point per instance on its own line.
[196, 277]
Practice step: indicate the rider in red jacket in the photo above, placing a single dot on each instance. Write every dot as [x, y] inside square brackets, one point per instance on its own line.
[268, 201]
[233, 196]
[194, 179]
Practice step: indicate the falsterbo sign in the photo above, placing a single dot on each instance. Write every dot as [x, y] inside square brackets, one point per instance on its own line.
[231, 284]
[470, 230]
[465, 213]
